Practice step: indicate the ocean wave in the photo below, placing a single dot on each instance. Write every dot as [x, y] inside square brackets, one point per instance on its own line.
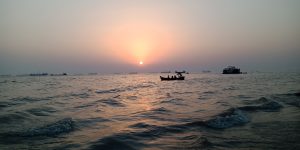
[200, 142]
[127, 88]
[4, 104]
[131, 139]
[292, 94]
[13, 118]
[80, 94]
[230, 88]
[86, 105]
[244, 96]
[108, 91]
[232, 117]
[237, 116]
[67, 146]
[5, 81]
[229, 118]
[27, 99]
[265, 105]
[111, 143]
[112, 102]
[44, 111]
[91, 122]
[160, 110]
[154, 132]
[62, 126]
[176, 101]
[158, 114]
[183, 93]
[149, 131]
[209, 92]
[268, 106]
[141, 125]
[292, 99]
[257, 101]
[132, 97]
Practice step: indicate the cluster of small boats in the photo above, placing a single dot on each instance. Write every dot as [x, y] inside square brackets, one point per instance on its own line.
[46, 74]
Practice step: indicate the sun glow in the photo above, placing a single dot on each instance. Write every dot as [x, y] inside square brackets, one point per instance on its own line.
[134, 40]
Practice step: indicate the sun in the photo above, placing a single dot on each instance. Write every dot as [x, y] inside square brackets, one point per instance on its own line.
[141, 63]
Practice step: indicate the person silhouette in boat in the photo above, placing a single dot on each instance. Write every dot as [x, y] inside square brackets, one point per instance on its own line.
[168, 77]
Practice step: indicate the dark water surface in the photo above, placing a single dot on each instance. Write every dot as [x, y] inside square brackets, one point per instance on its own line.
[205, 111]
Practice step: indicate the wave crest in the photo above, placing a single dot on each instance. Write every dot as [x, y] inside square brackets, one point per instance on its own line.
[229, 119]
[265, 105]
[62, 126]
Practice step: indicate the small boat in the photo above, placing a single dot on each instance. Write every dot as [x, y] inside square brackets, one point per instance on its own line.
[231, 70]
[62, 74]
[179, 76]
[172, 78]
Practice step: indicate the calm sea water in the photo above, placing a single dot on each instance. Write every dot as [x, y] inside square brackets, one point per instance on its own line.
[205, 111]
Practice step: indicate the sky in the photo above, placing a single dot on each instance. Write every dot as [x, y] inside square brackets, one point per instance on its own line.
[110, 36]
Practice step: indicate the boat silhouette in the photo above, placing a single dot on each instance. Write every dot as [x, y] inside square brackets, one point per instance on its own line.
[172, 78]
[179, 76]
[231, 70]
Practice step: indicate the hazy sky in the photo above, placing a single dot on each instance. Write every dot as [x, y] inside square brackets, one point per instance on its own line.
[115, 35]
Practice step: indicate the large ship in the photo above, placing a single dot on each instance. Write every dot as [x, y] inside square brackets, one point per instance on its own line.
[231, 70]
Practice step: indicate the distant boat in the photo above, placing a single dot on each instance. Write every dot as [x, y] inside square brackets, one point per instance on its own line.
[172, 78]
[231, 70]
[38, 74]
[63, 74]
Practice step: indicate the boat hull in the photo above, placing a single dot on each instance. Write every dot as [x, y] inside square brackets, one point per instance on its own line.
[171, 79]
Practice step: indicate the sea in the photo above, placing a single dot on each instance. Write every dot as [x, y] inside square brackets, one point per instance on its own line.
[138, 111]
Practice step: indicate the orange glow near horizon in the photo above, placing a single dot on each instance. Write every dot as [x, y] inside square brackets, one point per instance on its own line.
[139, 41]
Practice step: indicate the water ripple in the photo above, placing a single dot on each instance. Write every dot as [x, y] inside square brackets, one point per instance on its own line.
[62, 126]
[112, 102]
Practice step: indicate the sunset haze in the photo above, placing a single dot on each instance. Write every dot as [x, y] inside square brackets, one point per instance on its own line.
[114, 36]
